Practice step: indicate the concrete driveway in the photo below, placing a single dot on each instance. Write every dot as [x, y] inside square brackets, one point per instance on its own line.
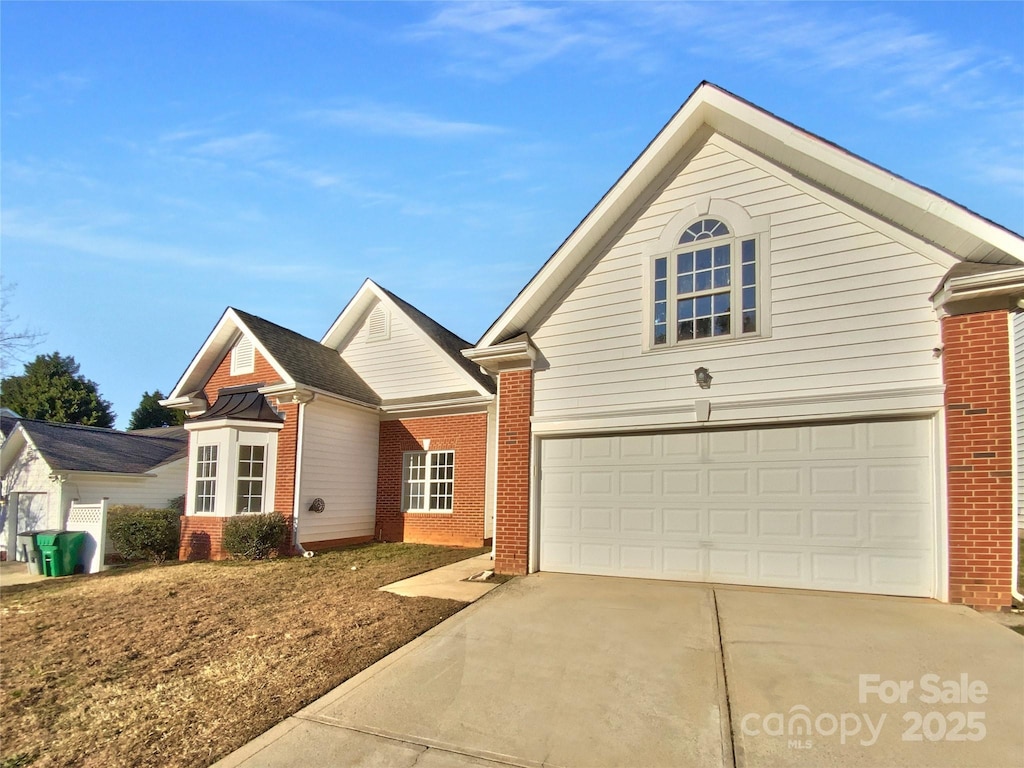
[560, 670]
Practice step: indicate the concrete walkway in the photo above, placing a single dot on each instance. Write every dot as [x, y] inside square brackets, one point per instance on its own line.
[557, 670]
[13, 572]
[449, 581]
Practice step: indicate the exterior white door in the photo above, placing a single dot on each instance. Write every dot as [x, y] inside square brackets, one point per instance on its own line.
[845, 507]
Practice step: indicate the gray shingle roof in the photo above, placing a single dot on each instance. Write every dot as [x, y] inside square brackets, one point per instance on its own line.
[74, 448]
[445, 339]
[309, 362]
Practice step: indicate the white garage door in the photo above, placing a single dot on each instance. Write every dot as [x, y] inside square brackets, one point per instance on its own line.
[845, 507]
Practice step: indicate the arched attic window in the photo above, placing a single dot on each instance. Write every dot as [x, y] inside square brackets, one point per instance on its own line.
[707, 287]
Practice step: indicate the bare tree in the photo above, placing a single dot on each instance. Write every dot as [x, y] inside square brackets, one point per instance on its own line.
[14, 341]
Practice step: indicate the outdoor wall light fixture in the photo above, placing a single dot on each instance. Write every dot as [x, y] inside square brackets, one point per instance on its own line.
[703, 376]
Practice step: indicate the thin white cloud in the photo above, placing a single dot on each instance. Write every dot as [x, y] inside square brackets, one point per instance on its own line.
[83, 236]
[519, 36]
[252, 145]
[882, 54]
[395, 121]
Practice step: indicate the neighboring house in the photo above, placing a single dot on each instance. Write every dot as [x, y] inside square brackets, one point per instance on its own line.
[758, 360]
[46, 466]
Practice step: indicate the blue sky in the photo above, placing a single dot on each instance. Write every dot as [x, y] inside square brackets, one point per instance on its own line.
[162, 161]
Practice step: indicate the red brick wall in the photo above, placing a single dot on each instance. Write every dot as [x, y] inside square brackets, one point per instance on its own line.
[200, 533]
[262, 373]
[979, 443]
[515, 400]
[201, 538]
[464, 525]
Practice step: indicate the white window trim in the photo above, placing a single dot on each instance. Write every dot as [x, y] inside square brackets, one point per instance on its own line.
[427, 483]
[741, 227]
[228, 439]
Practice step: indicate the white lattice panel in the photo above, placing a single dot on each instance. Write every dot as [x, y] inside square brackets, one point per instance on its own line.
[91, 518]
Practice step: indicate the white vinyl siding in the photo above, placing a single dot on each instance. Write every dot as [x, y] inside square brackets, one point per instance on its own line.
[152, 492]
[846, 507]
[849, 310]
[339, 465]
[403, 365]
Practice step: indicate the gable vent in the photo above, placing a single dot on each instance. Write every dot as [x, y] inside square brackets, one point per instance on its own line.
[378, 326]
[243, 357]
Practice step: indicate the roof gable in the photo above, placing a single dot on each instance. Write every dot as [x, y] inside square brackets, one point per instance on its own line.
[75, 448]
[928, 217]
[298, 360]
[447, 345]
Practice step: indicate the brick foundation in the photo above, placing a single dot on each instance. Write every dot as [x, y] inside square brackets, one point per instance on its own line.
[464, 525]
[512, 534]
[202, 538]
[979, 454]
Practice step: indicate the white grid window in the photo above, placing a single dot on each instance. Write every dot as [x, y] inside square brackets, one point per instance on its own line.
[707, 289]
[251, 473]
[428, 483]
[206, 478]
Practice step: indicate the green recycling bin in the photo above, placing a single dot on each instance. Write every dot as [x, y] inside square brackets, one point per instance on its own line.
[59, 551]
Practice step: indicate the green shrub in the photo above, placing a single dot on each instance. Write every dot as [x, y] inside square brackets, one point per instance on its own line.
[139, 533]
[177, 504]
[254, 537]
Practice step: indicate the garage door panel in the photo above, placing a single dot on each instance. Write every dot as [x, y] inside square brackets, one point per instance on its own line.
[684, 483]
[781, 523]
[845, 507]
[597, 483]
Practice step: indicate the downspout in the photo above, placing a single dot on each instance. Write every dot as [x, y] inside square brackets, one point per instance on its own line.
[299, 428]
[1015, 454]
[496, 442]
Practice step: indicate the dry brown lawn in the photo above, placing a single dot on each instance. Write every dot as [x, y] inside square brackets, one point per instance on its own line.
[178, 665]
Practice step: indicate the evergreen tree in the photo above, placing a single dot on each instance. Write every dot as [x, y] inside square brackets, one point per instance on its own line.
[151, 414]
[52, 389]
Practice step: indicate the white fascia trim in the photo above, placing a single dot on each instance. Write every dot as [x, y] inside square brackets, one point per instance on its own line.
[302, 393]
[345, 322]
[725, 111]
[728, 115]
[224, 333]
[1005, 282]
[12, 448]
[919, 402]
[287, 393]
[657, 155]
[441, 407]
[203, 426]
[72, 473]
[188, 403]
[902, 236]
[517, 354]
[342, 328]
